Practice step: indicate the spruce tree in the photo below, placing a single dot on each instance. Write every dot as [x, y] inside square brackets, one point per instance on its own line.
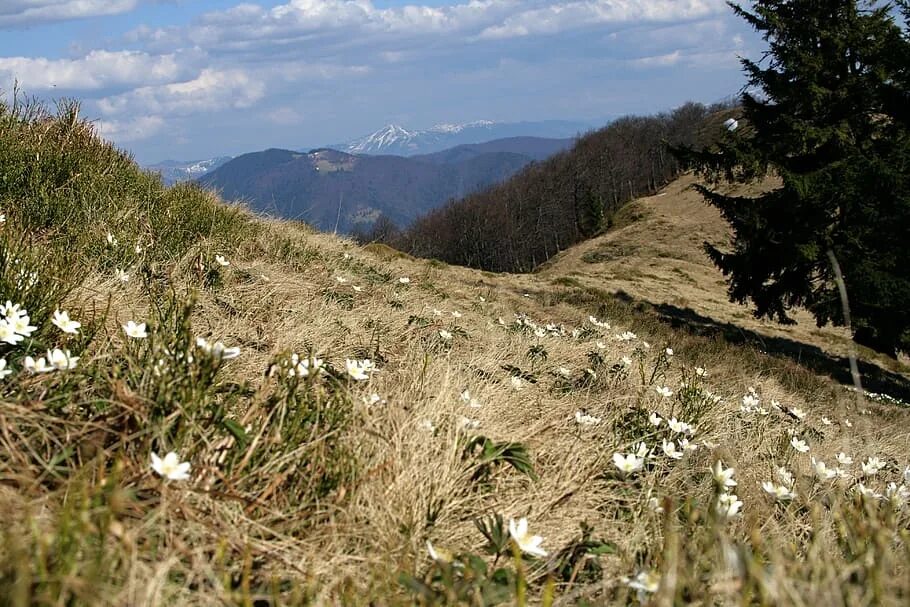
[824, 115]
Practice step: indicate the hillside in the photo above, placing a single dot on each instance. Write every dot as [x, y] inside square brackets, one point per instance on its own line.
[654, 255]
[359, 427]
[337, 191]
[516, 225]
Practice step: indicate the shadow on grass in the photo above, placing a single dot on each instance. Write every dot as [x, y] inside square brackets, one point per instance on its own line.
[875, 378]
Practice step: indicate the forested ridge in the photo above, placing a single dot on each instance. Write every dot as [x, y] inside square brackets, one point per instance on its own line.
[549, 206]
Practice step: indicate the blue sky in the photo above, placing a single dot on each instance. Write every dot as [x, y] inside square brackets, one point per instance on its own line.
[190, 79]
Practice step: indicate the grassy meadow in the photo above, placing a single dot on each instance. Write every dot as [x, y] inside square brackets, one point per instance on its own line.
[366, 428]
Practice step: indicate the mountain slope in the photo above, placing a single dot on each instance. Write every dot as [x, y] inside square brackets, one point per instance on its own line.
[535, 148]
[397, 140]
[654, 255]
[333, 190]
[291, 419]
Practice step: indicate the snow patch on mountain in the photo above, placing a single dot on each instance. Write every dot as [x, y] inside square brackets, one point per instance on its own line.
[397, 140]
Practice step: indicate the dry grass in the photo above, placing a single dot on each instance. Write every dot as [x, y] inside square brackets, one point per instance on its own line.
[87, 522]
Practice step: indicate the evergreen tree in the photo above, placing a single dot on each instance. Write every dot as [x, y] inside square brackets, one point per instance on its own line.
[825, 114]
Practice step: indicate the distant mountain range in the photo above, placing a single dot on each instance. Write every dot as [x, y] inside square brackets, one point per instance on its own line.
[337, 191]
[173, 171]
[399, 141]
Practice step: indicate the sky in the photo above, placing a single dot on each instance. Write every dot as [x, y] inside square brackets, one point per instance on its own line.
[193, 79]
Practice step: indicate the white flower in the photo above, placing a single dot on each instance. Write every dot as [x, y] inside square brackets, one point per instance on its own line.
[598, 323]
[866, 491]
[641, 450]
[62, 321]
[7, 334]
[626, 361]
[526, 542]
[629, 463]
[669, 351]
[664, 391]
[723, 476]
[170, 467]
[679, 427]
[136, 331]
[445, 335]
[685, 445]
[404, 280]
[822, 471]
[826, 421]
[799, 444]
[785, 476]
[359, 369]
[701, 372]
[843, 459]
[2, 217]
[221, 261]
[357, 289]
[646, 582]
[797, 413]
[217, 350]
[373, 399]
[440, 555]
[21, 325]
[36, 366]
[427, 425]
[12, 311]
[848, 423]
[897, 495]
[111, 240]
[516, 382]
[341, 280]
[670, 450]
[584, 419]
[61, 360]
[778, 492]
[121, 276]
[750, 401]
[654, 505]
[728, 505]
[655, 419]
[4, 372]
[456, 314]
[872, 466]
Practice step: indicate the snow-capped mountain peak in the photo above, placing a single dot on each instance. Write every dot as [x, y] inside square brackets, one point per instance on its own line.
[400, 141]
[386, 137]
[457, 128]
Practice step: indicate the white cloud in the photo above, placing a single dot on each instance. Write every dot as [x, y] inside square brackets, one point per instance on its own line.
[20, 13]
[135, 129]
[353, 22]
[211, 90]
[284, 116]
[97, 70]
[563, 16]
[664, 60]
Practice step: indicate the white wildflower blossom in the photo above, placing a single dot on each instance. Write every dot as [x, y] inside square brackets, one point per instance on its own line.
[527, 543]
[170, 467]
